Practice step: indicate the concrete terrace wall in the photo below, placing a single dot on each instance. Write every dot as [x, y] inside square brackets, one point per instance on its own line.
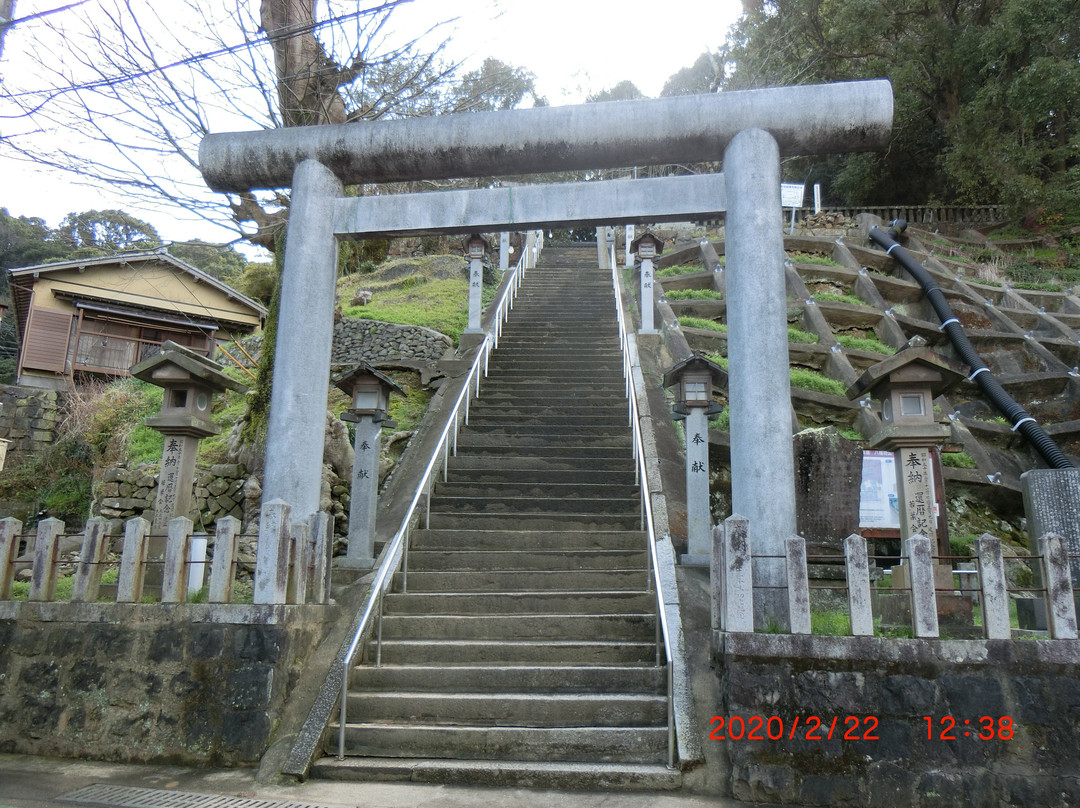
[188, 683]
[898, 682]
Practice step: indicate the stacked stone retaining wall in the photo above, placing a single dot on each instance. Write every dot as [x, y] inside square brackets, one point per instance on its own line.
[29, 417]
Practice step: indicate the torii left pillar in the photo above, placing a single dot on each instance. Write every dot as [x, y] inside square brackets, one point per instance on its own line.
[305, 331]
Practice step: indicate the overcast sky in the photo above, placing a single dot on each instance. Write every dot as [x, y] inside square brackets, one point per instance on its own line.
[573, 47]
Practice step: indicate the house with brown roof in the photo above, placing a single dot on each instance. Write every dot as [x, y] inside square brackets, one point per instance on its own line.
[97, 317]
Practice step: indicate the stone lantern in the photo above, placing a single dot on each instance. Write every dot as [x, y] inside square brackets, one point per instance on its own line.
[476, 249]
[907, 384]
[647, 247]
[190, 381]
[694, 403]
[369, 392]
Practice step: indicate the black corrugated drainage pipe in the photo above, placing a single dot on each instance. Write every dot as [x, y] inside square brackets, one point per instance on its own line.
[1020, 419]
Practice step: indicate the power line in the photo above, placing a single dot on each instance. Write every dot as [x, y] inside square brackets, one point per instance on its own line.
[282, 33]
[4, 24]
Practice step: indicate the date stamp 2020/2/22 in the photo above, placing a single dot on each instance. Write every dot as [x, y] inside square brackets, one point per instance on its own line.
[851, 728]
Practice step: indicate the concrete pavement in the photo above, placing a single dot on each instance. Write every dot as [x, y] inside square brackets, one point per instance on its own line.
[32, 782]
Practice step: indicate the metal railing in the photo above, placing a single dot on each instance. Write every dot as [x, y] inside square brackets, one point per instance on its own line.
[397, 552]
[663, 635]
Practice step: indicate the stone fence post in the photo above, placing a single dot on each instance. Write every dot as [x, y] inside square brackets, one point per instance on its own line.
[46, 546]
[10, 530]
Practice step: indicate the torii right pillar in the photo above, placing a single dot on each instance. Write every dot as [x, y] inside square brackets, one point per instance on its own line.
[759, 390]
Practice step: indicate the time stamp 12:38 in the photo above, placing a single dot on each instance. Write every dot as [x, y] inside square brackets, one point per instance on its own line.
[852, 728]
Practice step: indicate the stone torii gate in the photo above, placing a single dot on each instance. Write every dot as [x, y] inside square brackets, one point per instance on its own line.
[749, 130]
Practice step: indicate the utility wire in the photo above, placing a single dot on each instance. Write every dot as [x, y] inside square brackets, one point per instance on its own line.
[281, 33]
[12, 23]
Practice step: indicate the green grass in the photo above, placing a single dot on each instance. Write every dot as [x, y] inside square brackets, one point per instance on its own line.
[693, 294]
[813, 258]
[1038, 287]
[701, 322]
[722, 361]
[796, 335]
[722, 421]
[850, 434]
[958, 460]
[440, 303]
[815, 381]
[835, 298]
[680, 269]
[835, 623]
[865, 344]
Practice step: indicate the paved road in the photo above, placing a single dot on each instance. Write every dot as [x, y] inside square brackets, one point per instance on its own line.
[29, 782]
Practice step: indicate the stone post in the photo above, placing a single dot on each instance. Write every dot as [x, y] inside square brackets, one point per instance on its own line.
[175, 481]
[629, 251]
[272, 571]
[297, 421]
[648, 302]
[129, 586]
[46, 544]
[504, 251]
[698, 514]
[88, 575]
[177, 557]
[364, 498]
[798, 590]
[759, 394]
[1060, 604]
[322, 530]
[858, 586]
[476, 289]
[738, 584]
[223, 569]
[10, 529]
[923, 598]
[301, 563]
[995, 595]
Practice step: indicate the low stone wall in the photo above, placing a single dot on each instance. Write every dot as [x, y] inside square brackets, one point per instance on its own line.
[186, 683]
[29, 417]
[1024, 694]
[375, 341]
[219, 491]
[225, 489]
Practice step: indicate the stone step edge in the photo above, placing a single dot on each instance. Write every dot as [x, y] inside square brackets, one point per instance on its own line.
[503, 773]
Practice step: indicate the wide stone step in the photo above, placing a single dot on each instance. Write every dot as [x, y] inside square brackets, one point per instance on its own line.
[509, 652]
[600, 744]
[517, 559]
[442, 503]
[538, 445]
[569, 432]
[523, 580]
[518, 627]
[520, 419]
[502, 774]
[507, 709]
[534, 520]
[540, 489]
[577, 461]
[524, 453]
[511, 678]
[487, 603]
[517, 539]
[545, 477]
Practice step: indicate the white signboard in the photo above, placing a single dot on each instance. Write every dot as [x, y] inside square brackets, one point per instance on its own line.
[879, 500]
[791, 194]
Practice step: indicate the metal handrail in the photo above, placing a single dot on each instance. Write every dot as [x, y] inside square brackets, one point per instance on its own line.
[397, 551]
[663, 638]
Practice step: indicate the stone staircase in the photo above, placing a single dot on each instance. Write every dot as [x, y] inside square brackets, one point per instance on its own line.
[524, 652]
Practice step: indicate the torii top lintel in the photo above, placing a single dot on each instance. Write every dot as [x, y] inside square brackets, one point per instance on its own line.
[808, 119]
